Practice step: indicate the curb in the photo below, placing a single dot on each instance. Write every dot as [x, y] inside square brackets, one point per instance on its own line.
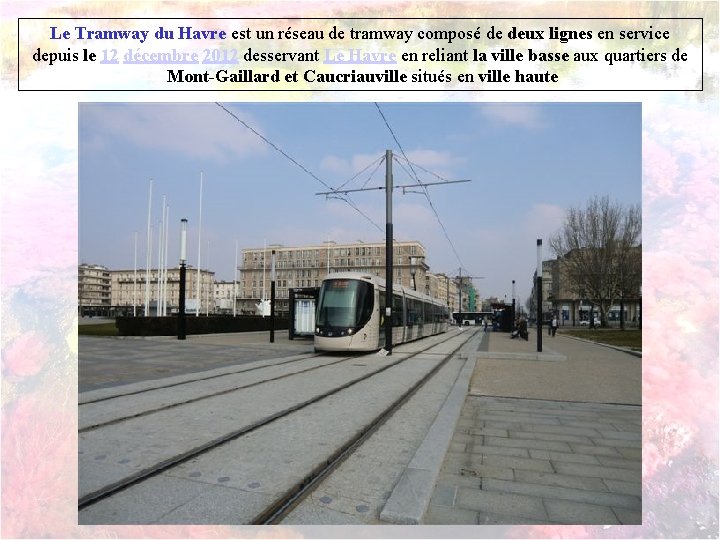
[411, 495]
[539, 356]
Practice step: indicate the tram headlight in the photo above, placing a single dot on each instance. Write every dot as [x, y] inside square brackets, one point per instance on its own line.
[350, 331]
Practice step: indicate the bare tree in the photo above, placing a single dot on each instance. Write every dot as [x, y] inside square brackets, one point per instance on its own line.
[628, 270]
[599, 247]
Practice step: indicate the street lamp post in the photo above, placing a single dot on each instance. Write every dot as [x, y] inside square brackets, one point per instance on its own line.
[447, 294]
[513, 301]
[413, 263]
[183, 271]
[538, 285]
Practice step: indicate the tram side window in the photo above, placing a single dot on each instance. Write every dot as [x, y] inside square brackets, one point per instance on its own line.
[397, 312]
[418, 311]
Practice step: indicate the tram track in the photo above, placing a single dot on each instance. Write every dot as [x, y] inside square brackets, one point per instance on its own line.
[89, 401]
[285, 504]
[178, 403]
[291, 495]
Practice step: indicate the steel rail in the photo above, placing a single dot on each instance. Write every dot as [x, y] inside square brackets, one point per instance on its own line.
[162, 466]
[208, 396]
[200, 379]
[285, 504]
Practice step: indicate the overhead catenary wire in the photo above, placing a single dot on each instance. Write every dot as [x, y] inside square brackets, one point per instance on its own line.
[377, 162]
[346, 199]
[425, 191]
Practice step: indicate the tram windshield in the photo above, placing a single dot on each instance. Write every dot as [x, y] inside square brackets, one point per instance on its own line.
[344, 303]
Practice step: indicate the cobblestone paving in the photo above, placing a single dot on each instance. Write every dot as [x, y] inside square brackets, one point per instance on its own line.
[520, 461]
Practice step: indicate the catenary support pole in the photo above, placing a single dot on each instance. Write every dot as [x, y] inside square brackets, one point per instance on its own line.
[388, 251]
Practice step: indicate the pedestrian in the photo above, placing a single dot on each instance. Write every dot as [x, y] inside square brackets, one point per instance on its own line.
[523, 329]
[554, 325]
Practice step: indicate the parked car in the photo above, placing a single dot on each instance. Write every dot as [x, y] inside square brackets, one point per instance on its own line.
[587, 323]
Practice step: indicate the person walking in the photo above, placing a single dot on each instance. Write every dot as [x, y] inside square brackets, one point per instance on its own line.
[554, 325]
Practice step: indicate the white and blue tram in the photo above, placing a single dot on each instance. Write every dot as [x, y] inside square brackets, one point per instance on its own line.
[350, 314]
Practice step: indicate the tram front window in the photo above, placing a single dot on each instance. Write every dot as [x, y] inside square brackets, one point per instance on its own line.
[344, 303]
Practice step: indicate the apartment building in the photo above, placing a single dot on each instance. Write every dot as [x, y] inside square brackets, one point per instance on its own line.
[225, 291]
[445, 288]
[94, 294]
[128, 291]
[563, 296]
[306, 266]
[123, 292]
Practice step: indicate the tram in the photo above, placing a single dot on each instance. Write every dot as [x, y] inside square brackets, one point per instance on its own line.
[350, 314]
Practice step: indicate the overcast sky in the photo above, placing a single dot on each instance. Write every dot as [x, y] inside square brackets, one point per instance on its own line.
[528, 163]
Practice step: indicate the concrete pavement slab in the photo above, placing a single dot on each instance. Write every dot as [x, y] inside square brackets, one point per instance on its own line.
[589, 373]
[568, 433]
[411, 495]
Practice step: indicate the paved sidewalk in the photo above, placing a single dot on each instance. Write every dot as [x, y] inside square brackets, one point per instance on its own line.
[545, 441]
[112, 361]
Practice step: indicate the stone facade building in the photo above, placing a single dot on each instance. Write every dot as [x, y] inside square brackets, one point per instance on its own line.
[573, 305]
[306, 266]
[123, 292]
[128, 291]
[225, 291]
[94, 294]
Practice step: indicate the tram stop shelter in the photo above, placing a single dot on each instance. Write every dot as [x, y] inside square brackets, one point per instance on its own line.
[301, 305]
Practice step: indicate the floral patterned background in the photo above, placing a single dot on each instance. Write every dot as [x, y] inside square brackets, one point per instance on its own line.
[39, 261]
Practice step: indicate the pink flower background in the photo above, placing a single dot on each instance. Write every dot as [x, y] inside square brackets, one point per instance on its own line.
[39, 285]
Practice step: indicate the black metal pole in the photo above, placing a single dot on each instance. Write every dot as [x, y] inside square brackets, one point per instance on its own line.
[181, 307]
[388, 252]
[513, 301]
[538, 287]
[183, 276]
[460, 296]
[272, 299]
[291, 312]
[447, 292]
